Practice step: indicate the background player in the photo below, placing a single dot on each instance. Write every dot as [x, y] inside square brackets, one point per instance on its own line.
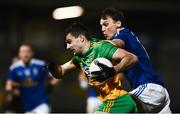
[92, 101]
[114, 98]
[146, 84]
[28, 76]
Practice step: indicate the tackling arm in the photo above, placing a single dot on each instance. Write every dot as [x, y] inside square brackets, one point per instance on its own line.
[117, 42]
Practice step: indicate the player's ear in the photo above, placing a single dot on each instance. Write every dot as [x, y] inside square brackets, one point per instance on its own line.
[81, 37]
[118, 23]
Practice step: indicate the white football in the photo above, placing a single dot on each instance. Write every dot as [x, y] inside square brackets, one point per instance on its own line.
[93, 67]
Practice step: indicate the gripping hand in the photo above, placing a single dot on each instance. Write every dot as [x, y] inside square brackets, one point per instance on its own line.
[104, 73]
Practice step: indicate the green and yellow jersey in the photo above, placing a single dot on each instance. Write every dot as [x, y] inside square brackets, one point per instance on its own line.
[109, 89]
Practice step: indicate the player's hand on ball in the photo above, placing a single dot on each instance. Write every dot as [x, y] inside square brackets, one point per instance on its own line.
[104, 73]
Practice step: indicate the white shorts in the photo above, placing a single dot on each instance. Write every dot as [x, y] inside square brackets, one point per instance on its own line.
[41, 109]
[154, 98]
[92, 104]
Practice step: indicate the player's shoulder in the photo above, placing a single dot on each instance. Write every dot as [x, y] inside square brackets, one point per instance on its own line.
[125, 35]
[17, 64]
[94, 39]
[38, 62]
[98, 43]
[102, 46]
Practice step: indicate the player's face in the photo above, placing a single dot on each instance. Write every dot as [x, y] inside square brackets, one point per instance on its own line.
[25, 53]
[73, 44]
[108, 27]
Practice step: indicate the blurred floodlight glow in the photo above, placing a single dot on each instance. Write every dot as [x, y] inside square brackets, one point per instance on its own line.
[67, 12]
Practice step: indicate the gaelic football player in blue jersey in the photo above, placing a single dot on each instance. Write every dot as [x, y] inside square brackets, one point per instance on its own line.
[145, 83]
[27, 74]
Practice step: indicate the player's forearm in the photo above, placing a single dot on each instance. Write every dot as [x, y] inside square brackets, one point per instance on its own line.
[58, 71]
[117, 42]
[8, 90]
[9, 86]
[126, 62]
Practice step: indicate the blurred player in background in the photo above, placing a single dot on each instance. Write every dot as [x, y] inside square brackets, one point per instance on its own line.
[28, 76]
[146, 84]
[107, 84]
[92, 101]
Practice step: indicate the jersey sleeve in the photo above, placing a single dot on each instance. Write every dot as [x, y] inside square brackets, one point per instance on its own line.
[76, 61]
[107, 50]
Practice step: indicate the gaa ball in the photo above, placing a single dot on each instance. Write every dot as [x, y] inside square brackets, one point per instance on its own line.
[94, 67]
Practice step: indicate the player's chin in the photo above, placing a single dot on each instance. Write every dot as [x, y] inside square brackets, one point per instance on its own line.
[108, 38]
[76, 53]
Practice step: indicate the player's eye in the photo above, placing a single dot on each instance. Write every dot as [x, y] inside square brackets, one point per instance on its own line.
[105, 24]
[68, 41]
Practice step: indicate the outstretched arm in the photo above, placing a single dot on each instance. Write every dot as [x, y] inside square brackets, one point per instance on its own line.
[58, 71]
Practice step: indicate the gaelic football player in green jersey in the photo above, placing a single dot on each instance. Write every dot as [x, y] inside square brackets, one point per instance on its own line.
[107, 84]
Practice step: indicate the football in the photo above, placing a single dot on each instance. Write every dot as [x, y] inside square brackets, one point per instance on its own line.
[94, 67]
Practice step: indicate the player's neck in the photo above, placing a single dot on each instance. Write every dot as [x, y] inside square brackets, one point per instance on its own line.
[26, 63]
[86, 46]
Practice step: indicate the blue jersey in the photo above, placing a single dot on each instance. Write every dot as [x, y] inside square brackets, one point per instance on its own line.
[142, 72]
[91, 92]
[31, 79]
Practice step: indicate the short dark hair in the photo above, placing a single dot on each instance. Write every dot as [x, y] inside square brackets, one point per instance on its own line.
[77, 29]
[114, 13]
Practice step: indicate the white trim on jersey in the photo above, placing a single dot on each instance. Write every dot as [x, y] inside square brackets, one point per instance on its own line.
[37, 61]
[17, 64]
[33, 61]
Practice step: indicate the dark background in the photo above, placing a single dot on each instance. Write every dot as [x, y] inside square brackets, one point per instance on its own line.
[155, 22]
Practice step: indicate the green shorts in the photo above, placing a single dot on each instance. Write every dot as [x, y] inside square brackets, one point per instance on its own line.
[122, 104]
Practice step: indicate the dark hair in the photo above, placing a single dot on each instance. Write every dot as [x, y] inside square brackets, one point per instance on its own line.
[77, 29]
[115, 14]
